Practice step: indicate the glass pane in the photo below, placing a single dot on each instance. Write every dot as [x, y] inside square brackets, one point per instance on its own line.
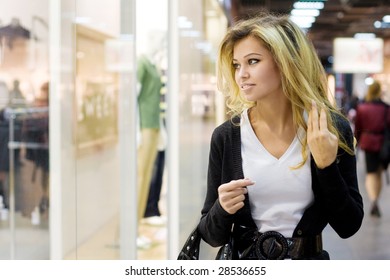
[24, 120]
[201, 28]
[96, 131]
[151, 50]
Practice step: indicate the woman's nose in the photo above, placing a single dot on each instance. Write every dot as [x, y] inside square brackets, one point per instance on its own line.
[243, 72]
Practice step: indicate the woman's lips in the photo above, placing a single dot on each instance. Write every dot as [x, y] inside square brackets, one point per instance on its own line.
[246, 86]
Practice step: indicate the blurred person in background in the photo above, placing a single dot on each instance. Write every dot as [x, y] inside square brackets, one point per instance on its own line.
[371, 116]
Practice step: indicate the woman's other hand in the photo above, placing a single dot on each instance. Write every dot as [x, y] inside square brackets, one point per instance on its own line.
[322, 143]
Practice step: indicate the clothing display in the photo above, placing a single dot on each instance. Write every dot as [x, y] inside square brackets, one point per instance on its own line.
[152, 208]
[15, 46]
[149, 113]
[152, 212]
[13, 31]
[149, 95]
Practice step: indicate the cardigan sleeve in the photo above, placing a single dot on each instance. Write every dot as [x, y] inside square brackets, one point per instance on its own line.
[215, 224]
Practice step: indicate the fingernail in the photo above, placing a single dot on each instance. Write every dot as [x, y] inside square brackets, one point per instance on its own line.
[250, 181]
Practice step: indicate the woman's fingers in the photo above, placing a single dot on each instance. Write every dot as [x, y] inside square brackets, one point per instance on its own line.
[232, 195]
[235, 203]
[322, 143]
[314, 116]
[323, 121]
[236, 184]
[317, 121]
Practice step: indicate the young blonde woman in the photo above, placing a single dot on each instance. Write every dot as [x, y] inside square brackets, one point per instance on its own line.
[283, 166]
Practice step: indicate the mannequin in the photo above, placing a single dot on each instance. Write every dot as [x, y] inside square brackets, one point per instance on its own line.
[16, 97]
[152, 214]
[149, 120]
[4, 95]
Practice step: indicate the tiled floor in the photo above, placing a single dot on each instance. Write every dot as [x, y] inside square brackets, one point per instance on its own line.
[30, 238]
[104, 244]
[371, 242]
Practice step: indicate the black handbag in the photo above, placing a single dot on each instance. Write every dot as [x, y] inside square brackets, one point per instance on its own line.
[190, 250]
[226, 251]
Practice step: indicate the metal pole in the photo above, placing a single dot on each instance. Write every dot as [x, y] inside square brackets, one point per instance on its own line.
[173, 128]
[128, 146]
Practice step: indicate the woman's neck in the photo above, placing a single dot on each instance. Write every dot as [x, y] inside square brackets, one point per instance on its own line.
[275, 116]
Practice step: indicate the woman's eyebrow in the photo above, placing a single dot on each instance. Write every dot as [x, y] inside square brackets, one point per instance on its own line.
[249, 54]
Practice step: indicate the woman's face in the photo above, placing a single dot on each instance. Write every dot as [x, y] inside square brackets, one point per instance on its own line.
[256, 72]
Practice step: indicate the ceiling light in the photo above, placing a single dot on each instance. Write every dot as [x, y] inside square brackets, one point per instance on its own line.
[381, 24]
[83, 20]
[298, 19]
[309, 5]
[369, 81]
[364, 36]
[304, 25]
[386, 18]
[305, 12]
[184, 23]
[303, 22]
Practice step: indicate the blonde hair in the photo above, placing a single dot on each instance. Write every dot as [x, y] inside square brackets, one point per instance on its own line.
[302, 74]
[374, 91]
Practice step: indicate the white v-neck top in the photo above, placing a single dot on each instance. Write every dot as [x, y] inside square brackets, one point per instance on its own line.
[281, 194]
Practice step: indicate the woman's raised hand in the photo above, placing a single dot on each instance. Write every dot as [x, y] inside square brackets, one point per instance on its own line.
[322, 143]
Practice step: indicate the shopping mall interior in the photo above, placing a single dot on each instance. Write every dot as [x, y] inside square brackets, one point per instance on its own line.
[71, 130]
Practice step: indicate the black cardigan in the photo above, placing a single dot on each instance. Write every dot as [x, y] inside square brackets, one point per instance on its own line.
[337, 200]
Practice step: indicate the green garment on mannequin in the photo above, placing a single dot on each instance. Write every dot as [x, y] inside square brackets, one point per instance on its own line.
[149, 95]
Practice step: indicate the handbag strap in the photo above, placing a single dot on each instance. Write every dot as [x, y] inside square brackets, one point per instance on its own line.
[190, 250]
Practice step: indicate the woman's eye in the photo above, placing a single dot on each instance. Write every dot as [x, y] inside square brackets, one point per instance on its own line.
[236, 65]
[252, 61]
